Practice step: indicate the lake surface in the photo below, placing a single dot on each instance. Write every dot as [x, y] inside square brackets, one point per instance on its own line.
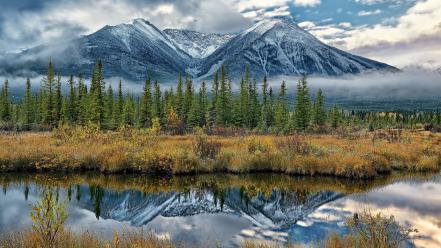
[226, 210]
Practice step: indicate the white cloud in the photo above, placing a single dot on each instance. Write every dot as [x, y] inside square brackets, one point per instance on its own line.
[415, 37]
[307, 25]
[369, 13]
[307, 3]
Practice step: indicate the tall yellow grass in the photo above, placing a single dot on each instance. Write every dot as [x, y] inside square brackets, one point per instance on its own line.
[138, 151]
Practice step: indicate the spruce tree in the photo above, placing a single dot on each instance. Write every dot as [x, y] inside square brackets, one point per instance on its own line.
[203, 103]
[108, 108]
[303, 105]
[146, 105]
[224, 101]
[188, 97]
[334, 116]
[71, 108]
[319, 113]
[157, 102]
[58, 101]
[28, 108]
[129, 111]
[179, 99]
[266, 108]
[118, 108]
[242, 107]
[281, 114]
[49, 85]
[6, 110]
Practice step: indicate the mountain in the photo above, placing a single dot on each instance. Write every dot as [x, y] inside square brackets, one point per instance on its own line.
[280, 47]
[196, 44]
[126, 50]
[271, 47]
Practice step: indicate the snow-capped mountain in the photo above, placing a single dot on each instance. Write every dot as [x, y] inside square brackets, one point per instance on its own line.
[128, 50]
[278, 210]
[196, 44]
[133, 50]
[280, 47]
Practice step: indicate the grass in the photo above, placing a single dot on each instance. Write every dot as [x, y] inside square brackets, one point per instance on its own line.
[136, 151]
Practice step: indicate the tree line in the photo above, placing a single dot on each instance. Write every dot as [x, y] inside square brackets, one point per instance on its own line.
[181, 109]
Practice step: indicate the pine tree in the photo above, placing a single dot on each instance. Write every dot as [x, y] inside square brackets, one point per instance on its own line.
[281, 114]
[146, 105]
[129, 111]
[118, 108]
[334, 116]
[180, 98]
[255, 108]
[58, 101]
[212, 114]
[108, 108]
[96, 94]
[193, 119]
[188, 97]
[266, 108]
[5, 108]
[224, 101]
[319, 113]
[156, 106]
[242, 106]
[303, 105]
[28, 108]
[49, 85]
[203, 103]
[71, 108]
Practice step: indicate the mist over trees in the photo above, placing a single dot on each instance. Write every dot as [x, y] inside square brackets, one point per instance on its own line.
[255, 107]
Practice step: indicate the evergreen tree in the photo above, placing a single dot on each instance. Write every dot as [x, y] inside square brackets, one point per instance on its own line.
[281, 114]
[255, 108]
[146, 105]
[108, 108]
[118, 108]
[188, 98]
[49, 85]
[156, 106]
[241, 107]
[28, 108]
[224, 101]
[303, 105]
[5, 108]
[180, 98]
[71, 108]
[58, 100]
[266, 108]
[194, 114]
[96, 95]
[129, 111]
[319, 113]
[203, 103]
[334, 116]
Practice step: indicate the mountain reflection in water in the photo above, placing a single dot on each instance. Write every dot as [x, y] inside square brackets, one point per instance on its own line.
[226, 209]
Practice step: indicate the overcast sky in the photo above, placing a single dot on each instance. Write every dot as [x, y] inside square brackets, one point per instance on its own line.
[399, 32]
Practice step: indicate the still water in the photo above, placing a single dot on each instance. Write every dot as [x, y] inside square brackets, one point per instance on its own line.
[226, 210]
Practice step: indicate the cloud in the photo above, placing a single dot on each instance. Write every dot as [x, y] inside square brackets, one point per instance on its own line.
[31, 23]
[369, 13]
[307, 3]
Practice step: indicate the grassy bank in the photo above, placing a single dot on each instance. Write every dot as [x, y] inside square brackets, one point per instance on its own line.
[352, 155]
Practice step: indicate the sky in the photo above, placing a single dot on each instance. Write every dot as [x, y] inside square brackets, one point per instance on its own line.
[399, 32]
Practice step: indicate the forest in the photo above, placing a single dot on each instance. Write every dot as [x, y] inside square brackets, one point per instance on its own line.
[255, 107]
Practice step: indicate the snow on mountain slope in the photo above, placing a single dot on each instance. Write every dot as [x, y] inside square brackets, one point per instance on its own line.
[127, 50]
[197, 44]
[280, 47]
[271, 47]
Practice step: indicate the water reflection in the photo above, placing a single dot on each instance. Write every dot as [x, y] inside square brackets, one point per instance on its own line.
[226, 209]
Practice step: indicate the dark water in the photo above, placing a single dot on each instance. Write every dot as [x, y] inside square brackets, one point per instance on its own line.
[226, 210]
